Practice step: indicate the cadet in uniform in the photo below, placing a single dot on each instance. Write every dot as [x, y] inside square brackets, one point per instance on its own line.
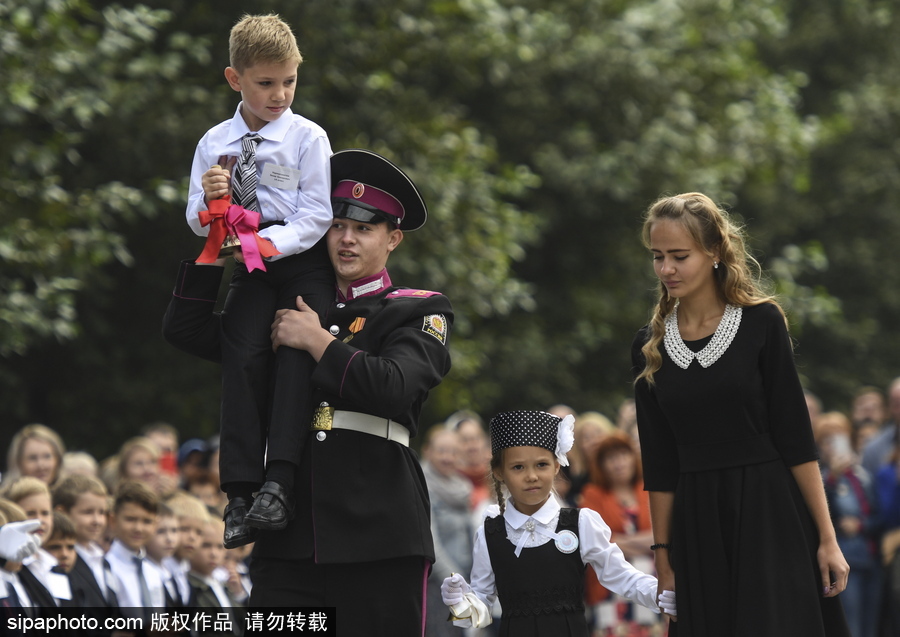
[359, 539]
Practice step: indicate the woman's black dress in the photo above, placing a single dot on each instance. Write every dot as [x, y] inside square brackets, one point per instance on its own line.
[723, 439]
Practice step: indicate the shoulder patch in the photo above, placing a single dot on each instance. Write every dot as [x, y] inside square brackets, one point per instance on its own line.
[406, 293]
[436, 325]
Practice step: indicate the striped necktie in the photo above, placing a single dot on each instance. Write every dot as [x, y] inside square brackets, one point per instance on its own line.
[243, 183]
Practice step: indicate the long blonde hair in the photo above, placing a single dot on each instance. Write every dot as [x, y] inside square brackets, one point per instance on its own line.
[34, 431]
[738, 279]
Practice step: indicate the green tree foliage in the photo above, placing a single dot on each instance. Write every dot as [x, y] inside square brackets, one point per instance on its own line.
[58, 66]
[847, 206]
[538, 131]
[612, 104]
[76, 81]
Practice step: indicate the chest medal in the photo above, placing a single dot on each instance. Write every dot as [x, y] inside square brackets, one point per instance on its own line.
[355, 327]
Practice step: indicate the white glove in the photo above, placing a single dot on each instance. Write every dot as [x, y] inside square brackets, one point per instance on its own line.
[17, 540]
[453, 589]
[667, 603]
[466, 608]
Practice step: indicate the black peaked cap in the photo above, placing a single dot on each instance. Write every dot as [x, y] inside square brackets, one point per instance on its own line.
[356, 164]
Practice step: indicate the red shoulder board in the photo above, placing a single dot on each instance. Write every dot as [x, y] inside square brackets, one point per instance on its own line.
[407, 293]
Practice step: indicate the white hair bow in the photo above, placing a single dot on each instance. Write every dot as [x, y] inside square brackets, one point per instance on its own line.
[565, 438]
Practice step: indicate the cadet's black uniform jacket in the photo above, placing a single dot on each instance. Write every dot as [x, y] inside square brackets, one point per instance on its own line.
[360, 498]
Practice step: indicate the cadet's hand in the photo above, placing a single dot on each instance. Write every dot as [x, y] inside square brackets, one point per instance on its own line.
[216, 181]
[667, 603]
[300, 329]
[17, 540]
[453, 589]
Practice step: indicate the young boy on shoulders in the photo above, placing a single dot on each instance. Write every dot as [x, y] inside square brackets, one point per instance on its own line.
[84, 499]
[274, 164]
[139, 584]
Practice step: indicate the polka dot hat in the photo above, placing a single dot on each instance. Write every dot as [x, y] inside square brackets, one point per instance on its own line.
[531, 429]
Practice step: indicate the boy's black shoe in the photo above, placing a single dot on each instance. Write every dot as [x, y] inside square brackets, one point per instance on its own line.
[237, 531]
[272, 509]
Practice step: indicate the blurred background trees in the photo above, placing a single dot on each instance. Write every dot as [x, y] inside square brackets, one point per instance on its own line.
[539, 131]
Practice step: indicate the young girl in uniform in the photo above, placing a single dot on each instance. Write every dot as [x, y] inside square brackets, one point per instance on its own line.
[531, 553]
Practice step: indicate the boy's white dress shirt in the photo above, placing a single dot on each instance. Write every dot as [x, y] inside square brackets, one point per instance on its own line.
[293, 147]
[123, 566]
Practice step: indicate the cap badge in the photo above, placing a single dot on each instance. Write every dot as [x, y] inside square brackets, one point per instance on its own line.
[358, 190]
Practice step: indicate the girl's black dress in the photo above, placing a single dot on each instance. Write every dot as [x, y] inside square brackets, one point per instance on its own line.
[723, 439]
[542, 591]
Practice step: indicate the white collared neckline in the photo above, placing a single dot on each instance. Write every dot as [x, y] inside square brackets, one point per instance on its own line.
[545, 515]
[273, 131]
[122, 552]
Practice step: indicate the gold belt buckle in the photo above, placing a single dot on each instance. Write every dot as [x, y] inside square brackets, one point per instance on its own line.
[323, 418]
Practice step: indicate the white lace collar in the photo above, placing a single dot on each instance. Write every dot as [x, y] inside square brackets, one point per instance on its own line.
[682, 356]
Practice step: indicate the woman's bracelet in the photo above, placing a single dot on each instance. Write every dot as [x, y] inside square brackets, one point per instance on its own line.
[663, 545]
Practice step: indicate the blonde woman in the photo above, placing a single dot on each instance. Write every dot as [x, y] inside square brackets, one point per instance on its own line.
[741, 528]
[36, 451]
[591, 428]
[138, 459]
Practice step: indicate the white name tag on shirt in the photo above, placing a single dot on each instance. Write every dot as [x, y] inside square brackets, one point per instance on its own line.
[280, 177]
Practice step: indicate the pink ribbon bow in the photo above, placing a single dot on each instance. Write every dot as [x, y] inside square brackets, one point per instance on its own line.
[224, 219]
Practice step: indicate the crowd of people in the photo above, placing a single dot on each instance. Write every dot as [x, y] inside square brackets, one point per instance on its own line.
[141, 529]
[159, 498]
[860, 464]
[605, 475]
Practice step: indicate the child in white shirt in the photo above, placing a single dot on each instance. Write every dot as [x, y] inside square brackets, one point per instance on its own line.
[532, 553]
[133, 523]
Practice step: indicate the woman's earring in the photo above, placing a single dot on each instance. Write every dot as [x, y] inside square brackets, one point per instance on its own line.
[716, 265]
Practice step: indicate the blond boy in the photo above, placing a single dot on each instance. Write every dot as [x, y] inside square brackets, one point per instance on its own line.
[209, 591]
[161, 550]
[85, 500]
[192, 516]
[33, 495]
[33, 579]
